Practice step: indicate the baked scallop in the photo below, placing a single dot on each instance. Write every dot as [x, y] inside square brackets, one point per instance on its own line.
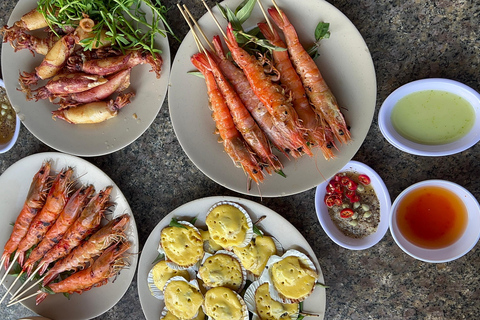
[222, 269]
[182, 245]
[229, 224]
[182, 298]
[160, 274]
[262, 306]
[291, 277]
[167, 315]
[223, 303]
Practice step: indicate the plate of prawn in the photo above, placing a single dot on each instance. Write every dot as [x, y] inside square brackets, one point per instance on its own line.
[92, 139]
[16, 181]
[272, 224]
[344, 62]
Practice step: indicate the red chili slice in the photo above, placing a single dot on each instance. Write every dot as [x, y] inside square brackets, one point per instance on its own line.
[364, 179]
[354, 198]
[345, 181]
[352, 186]
[333, 200]
[346, 213]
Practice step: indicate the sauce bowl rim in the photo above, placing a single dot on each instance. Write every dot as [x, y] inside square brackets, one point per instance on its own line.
[403, 144]
[7, 146]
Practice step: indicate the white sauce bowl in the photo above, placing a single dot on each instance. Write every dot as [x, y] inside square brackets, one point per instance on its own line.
[4, 147]
[455, 87]
[454, 251]
[329, 226]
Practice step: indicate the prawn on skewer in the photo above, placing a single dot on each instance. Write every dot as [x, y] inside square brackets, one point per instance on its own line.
[113, 231]
[54, 204]
[69, 214]
[317, 132]
[232, 140]
[244, 122]
[317, 89]
[33, 204]
[84, 226]
[256, 108]
[107, 265]
[271, 94]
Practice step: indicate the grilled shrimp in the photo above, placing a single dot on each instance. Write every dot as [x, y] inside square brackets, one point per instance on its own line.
[84, 226]
[271, 94]
[93, 112]
[33, 204]
[258, 111]
[69, 214]
[316, 132]
[112, 232]
[109, 65]
[317, 89]
[233, 142]
[56, 200]
[53, 62]
[107, 265]
[244, 122]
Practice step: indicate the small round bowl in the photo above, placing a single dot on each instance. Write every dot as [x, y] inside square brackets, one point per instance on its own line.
[331, 229]
[394, 138]
[4, 147]
[454, 251]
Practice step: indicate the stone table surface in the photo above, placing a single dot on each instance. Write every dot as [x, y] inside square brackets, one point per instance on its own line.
[408, 40]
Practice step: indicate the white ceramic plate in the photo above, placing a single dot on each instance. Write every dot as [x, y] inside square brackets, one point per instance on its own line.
[385, 203]
[15, 182]
[274, 224]
[397, 140]
[345, 63]
[91, 139]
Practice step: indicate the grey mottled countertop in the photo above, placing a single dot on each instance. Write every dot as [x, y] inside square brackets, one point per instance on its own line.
[408, 40]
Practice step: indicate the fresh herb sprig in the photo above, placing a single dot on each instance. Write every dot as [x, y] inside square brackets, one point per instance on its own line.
[127, 25]
[321, 32]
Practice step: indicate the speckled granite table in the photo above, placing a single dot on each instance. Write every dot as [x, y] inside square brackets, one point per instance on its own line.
[408, 40]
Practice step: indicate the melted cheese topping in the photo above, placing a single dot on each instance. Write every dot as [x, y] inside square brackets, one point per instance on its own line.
[255, 255]
[292, 278]
[183, 246]
[227, 225]
[221, 270]
[211, 244]
[171, 316]
[162, 272]
[222, 303]
[182, 299]
[269, 309]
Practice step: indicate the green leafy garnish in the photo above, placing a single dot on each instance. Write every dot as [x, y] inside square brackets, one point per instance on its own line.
[174, 223]
[253, 39]
[160, 257]
[47, 289]
[257, 231]
[321, 285]
[127, 26]
[194, 219]
[197, 74]
[321, 32]
[241, 14]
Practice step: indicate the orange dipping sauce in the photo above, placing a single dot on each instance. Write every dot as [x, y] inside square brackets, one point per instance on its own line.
[432, 217]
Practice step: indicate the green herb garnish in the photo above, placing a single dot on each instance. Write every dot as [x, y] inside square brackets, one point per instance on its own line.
[127, 26]
[321, 32]
[174, 223]
[160, 257]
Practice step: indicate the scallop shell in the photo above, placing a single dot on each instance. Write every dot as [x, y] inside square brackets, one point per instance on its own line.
[157, 292]
[266, 275]
[172, 264]
[231, 254]
[192, 282]
[249, 233]
[245, 315]
[249, 298]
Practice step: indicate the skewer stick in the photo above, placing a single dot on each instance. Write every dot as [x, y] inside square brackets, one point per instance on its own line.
[195, 37]
[214, 19]
[278, 9]
[23, 299]
[14, 298]
[9, 267]
[265, 14]
[16, 294]
[198, 27]
[11, 286]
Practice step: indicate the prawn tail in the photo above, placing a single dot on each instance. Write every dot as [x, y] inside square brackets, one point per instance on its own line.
[278, 17]
[40, 297]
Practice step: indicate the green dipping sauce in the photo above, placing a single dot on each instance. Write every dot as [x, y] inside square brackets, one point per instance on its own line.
[433, 117]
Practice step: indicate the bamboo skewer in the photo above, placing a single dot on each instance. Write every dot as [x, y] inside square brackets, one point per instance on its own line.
[214, 19]
[9, 268]
[18, 293]
[23, 299]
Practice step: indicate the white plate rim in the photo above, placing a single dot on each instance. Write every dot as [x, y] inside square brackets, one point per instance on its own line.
[197, 208]
[405, 145]
[85, 140]
[93, 302]
[201, 146]
[385, 205]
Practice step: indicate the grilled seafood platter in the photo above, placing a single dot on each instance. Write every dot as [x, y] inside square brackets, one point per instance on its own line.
[221, 275]
[72, 234]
